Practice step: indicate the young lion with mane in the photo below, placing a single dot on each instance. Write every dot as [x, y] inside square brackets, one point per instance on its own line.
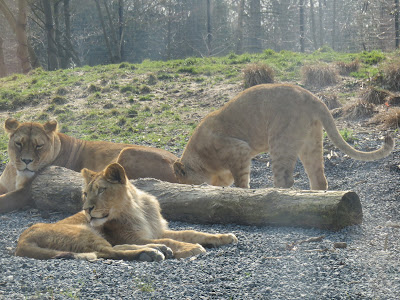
[118, 221]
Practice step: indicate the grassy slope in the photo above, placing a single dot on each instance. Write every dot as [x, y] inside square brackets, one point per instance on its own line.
[153, 103]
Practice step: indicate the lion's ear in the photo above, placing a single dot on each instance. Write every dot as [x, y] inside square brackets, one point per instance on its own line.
[50, 126]
[179, 168]
[87, 175]
[115, 173]
[10, 125]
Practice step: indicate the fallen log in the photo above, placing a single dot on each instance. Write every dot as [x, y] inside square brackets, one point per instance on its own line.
[59, 189]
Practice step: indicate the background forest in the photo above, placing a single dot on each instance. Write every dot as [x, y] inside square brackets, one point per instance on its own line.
[66, 33]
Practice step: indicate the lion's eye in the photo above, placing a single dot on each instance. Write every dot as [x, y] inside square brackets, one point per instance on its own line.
[101, 190]
[18, 144]
[38, 147]
[84, 194]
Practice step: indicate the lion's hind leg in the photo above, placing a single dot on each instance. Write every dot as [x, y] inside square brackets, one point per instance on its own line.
[47, 241]
[311, 156]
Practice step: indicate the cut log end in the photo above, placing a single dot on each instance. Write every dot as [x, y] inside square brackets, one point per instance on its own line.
[349, 211]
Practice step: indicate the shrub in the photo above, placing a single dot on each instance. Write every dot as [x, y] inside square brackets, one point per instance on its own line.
[255, 74]
[390, 75]
[375, 96]
[128, 88]
[331, 100]
[131, 113]
[390, 119]
[61, 91]
[319, 75]
[93, 88]
[358, 110]
[345, 68]
[144, 89]
[59, 100]
[151, 79]
[372, 58]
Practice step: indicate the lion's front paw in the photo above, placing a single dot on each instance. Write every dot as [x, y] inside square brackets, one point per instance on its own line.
[189, 250]
[151, 254]
[228, 238]
[220, 239]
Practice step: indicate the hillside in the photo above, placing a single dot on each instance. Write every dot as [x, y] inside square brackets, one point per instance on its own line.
[160, 103]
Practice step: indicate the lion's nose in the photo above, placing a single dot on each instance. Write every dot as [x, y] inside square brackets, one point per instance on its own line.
[27, 161]
[89, 209]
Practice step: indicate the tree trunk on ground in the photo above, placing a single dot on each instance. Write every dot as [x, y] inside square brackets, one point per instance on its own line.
[3, 68]
[59, 189]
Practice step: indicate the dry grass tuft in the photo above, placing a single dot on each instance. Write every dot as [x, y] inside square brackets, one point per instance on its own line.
[345, 68]
[255, 74]
[390, 119]
[319, 75]
[375, 96]
[358, 110]
[330, 100]
[390, 75]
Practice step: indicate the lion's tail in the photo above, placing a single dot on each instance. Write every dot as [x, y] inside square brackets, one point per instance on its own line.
[330, 127]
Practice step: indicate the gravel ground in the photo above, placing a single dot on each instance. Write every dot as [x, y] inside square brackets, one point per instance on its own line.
[259, 267]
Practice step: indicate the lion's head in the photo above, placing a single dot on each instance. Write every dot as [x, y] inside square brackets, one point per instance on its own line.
[104, 193]
[187, 175]
[32, 146]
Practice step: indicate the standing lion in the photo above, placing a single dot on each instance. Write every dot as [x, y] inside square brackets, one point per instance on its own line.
[282, 119]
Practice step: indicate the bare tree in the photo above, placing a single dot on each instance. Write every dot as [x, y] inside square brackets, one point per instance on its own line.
[25, 52]
[209, 31]
[396, 23]
[113, 46]
[52, 59]
[312, 17]
[239, 29]
[255, 26]
[321, 28]
[3, 68]
[334, 24]
[301, 25]
[121, 8]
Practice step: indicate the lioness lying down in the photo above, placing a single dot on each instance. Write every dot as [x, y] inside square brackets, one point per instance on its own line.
[33, 146]
[284, 119]
[118, 221]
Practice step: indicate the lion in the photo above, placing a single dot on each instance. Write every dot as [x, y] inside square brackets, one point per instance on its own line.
[284, 119]
[33, 146]
[118, 221]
